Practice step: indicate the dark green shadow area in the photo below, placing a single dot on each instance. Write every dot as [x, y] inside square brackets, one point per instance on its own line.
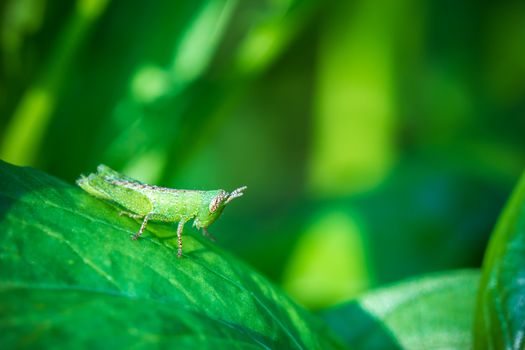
[360, 329]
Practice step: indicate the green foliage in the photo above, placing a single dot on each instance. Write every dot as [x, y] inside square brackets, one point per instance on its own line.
[71, 275]
[369, 111]
[379, 141]
[500, 318]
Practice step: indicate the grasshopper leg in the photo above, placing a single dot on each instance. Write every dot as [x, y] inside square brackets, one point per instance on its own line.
[131, 215]
[205, 233]
[142, 228]
[179, 237]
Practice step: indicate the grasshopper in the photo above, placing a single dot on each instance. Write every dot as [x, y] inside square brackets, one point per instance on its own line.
[154, 203]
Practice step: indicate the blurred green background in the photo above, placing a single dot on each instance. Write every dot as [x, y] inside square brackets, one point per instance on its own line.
[378, 139]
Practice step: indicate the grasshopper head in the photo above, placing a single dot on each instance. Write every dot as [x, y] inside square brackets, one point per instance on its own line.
[213, 205]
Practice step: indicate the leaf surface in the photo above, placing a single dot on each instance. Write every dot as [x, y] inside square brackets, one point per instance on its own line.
[71, 275]
[433, 312]
[500, 312]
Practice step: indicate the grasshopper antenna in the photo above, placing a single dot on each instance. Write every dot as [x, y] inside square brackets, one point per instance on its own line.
[236, 194]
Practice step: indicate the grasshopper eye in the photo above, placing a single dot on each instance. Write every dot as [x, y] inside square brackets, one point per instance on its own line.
[216, 202]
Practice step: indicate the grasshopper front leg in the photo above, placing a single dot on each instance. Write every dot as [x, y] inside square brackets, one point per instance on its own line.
[142, 228]
[135, 216]
[205, 233]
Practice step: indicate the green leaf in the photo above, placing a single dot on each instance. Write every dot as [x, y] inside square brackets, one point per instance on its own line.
[500, 312]
[434, 312]
[70, 276]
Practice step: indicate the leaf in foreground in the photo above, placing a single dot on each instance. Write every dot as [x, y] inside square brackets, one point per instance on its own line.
[70, 276]
[434, 312]
[500, 313]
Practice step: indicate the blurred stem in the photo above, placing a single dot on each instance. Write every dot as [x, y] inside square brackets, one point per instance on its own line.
[31, 118]
[199, 43]
[263, 44]
[193, 53]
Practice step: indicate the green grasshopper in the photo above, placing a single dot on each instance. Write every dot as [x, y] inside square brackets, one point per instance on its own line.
[154, 203]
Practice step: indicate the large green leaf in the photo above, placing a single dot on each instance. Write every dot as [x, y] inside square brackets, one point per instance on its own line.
[70, 276]
[500, 313]
[434, 312]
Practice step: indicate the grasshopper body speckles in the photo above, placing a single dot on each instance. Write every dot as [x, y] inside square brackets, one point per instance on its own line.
[153, 203]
